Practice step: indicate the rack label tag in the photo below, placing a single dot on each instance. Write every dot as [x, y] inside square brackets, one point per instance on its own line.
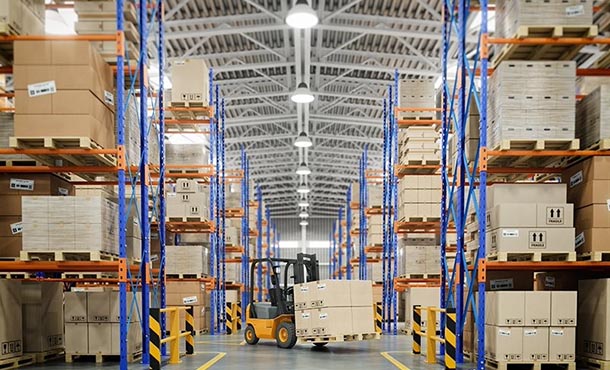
[63, 191]
[530, 332]
[575, 10]
[549, 281]
[321, 286]
[576, 179]
[304, 289]
[305, 315]
[580, 240]
[501, 284]
[504, 332]
[189, 300]
[17, 228]
[608, 204]
[507, 233]
[108, 97]
[41, 88]
[557, 333]
[20, 184]
[323, 316]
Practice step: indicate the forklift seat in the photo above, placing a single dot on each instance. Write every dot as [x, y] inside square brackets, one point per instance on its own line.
[264, 310]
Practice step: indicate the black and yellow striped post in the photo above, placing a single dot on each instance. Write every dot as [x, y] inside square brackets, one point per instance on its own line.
[416, 329]
[155, 339]
[231, 318]
[450, 338]
[189, 325]
[378, 310]
[238, 316]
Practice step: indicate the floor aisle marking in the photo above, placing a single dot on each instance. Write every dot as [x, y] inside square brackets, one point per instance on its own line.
[214, 360]
[394, 361]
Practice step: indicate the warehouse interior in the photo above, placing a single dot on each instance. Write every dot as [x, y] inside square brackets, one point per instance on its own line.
[306, 184]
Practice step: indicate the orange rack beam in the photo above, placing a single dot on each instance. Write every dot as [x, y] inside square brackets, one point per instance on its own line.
[62, 266]
[373, 249]
[549, 41]
[234, 212]
[234, 249]
[10, 38]
[188, 227]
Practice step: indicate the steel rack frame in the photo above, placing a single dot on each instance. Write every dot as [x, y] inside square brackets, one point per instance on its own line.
[363, 201]
[245, 231]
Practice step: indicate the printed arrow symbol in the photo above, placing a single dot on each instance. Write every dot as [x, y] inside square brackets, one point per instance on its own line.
[552, 212]
[558, 212]
[540, 235]
[534, 237]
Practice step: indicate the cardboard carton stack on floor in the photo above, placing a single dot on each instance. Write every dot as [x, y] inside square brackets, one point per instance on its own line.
[593, 332]
[547, 111]
[588, 186]
[419, 198]
[424, 297]
[529, 218]
[14, 187]
[593, 118]
[334, 308]
[530, 326]
[99, 17]
[19, 17]
[63, 89]
[190, 293]
[184, 260]
[92, 323]
[190, 200]
[43, 316]
[11, 335]
[70, 224]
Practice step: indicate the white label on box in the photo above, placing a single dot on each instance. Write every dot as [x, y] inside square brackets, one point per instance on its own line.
[575, 10]
[576, 179]
[554, 215]
[321, 286]
[501, 284]
[557, 333]
[108, 97]
[580, 240]
[189, 300]
[63, 191]
[608, 204]
[305, 315]
[530, 332]
[323, 316]
[41, 88]
[16, 228]
[537, 240]
[549, 281]
[20, 184]
[154, 258]
[505, 333]
[304, 289]
[510, 233]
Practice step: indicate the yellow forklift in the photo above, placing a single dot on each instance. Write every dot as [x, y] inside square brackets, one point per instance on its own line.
[275, 319]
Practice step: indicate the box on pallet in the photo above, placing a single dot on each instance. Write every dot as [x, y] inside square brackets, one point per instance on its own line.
[530, 240]
[504, 343]
[11, 317]
[424, 297]
[184, 260]
[593, 318]
[42, 312]
[190, 81]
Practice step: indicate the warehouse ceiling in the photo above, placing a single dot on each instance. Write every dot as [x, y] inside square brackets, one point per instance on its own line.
[353, 53]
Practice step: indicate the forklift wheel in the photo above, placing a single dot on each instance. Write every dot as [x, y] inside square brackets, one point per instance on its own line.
[250, 335]
[320, 344]
[286, 335]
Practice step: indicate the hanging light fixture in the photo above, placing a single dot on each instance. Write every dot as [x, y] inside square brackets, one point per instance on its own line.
[303, 222]
[303, 169]
[303, 189]
[303, 141]
[302, 16]
[302, 94]
[303, 214]
[303, 203]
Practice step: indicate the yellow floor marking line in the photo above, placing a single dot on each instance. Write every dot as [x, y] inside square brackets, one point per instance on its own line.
[214, 360]
[393, 361]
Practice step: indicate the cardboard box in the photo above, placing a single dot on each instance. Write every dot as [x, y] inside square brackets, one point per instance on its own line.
[505, 308]
[10, 226]
[530, 239]
[11, 318]
[11, 205]
[10, 246]
[424, 297]
[504, 343]
[361, 293]
[512, 215]
[538, 308]
[134, 338]
[190, 81]
[303, 322]
[588, 182]
[564, 308]
[554, 215]
[562, 344]
[563, 280]
[100, 337]
[332, 293]
[535, 344]
[508, 280]
[332, 321]
[594, 319]
[75, 307]
[592, 216]
[77, 338]
[43, 321]
[592, 240]
[363, 320]
[525, 193]
[34, 184]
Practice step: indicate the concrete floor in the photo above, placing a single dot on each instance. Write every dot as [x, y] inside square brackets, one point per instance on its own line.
[266, 355]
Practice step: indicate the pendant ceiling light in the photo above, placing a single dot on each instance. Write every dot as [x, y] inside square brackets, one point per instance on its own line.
[302, 94]
[302, 16]
[303, 214]
[303, 203]
[303, 189]
[303, 169]
[303, 141]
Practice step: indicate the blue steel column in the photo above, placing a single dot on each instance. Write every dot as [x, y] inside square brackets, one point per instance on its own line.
[384, 254]
[144, 221]
[259, 243]
[223, 217]
[363, 220]
[444, 180]
[482, 190]
[348, 237]
[217, 233]
[340, 245]
[161, 56]
[461, 173]
[394, 205]
[212, 210]
[245, 232]
[120, 82]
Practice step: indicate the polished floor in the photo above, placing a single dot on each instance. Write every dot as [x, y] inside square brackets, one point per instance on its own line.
[230, 352]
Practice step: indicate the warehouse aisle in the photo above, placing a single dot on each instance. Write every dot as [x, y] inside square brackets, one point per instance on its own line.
[348, 356]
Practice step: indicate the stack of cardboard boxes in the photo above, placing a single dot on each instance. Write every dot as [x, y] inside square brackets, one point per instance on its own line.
[92, 323]
[63, 89]
[10, 313]
[190, 293]
[14, 187]
[530, 326]
[184, 260]
[187, 154]
[588, 186]
[43, 316]
[419, 198]
[189, 201]
[423, 297]
[70, 224]
[593, 118]
[547, 111]
[593, 331]
[22, 17]
[190, 83]
[334, 308]
[420, 255]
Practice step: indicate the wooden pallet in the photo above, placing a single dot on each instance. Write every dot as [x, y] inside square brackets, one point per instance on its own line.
[339, 338]
[49, 142]
[186, 219]
[420, 276]
[602, 144]
[420, 219]
[594, 256]
[49, 355]
[539, 144]
[592, 363]
[67, 256]
[532, 256]
[420, 162]
[184, 276]
[504, 365]
[187, 114]
[17, 362]
[87, 275]
[469, 356]
[19, 162]
[15, 275]
[189, 171]
[101, 358]
[544, 52]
